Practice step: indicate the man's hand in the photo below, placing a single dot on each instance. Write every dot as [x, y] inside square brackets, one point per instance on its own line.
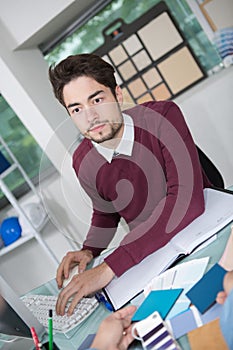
[115, 331]
[82, 258]
[82, 285]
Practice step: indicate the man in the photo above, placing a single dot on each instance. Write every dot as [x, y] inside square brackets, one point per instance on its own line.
[140, 165]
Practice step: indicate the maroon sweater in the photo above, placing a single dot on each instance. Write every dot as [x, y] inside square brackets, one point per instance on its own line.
[158, 190]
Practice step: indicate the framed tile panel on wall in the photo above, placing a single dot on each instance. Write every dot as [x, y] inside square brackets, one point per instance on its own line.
[152, 59]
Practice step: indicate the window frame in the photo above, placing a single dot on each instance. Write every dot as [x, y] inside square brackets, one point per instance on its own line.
[24, 188]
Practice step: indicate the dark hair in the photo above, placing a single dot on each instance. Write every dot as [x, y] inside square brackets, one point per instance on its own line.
[75, 66]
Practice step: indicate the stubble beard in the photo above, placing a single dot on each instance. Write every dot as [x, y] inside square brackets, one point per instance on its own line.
[113, 132]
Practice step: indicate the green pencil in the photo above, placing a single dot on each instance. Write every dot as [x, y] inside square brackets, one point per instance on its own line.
[50, 327]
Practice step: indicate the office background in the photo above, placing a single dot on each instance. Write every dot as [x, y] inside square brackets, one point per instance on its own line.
[24, 84]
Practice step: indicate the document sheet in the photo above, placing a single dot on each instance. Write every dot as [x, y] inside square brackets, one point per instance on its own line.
[218, 213]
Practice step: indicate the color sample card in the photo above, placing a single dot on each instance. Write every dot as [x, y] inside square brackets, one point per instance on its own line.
[141, 60]
[118, 55]
[191, 319]
[150, 35]
[203, 293]
[182, 323]
[127, 70]
[137, 87]
[158, 300]
[152, 77]
[184, 276]
[148, 64]
[144, 98]
[180, 61]
[208, 336]
[154, 334]
[161, 93]
[132, 44]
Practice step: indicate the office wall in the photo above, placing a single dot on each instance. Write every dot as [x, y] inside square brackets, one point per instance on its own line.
[208, 111]
[24, 83]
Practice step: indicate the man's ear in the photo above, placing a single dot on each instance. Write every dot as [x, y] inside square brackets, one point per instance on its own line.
[119, 94]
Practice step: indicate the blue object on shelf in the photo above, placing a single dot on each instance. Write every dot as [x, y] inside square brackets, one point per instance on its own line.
[4, 164]
[10, 230]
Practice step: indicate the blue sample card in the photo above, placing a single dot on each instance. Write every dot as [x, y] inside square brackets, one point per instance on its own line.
[203, 293]
[188, 320]
[158, 300]
[183, 323]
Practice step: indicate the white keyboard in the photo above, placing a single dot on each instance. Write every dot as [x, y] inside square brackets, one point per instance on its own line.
[41, 304]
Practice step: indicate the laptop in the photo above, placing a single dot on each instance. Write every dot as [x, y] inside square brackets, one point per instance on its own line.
[16, 320]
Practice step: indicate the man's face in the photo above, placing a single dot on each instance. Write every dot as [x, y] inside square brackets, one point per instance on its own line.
[94, 109]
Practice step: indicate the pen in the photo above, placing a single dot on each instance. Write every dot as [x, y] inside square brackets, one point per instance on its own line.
[102, 299]
[50, 327]
[35, 338]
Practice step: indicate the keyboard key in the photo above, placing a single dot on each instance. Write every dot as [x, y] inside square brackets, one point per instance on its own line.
[39, 305]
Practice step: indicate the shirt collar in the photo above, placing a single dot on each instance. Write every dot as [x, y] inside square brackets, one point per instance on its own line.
[125, 146]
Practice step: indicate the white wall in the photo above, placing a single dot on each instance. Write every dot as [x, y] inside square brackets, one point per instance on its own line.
[208, 109]
[25, 18]
[24, 84]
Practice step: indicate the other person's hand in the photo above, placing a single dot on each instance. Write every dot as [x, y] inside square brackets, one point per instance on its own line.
[227, 285]
[115, 331]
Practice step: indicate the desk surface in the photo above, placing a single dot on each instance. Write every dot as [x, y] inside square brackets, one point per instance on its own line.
[75, 338]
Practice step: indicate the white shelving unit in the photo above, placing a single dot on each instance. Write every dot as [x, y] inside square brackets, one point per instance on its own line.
[34, 232]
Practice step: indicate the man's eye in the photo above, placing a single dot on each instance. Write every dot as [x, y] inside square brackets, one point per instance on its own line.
[76, 110]
[98, 100]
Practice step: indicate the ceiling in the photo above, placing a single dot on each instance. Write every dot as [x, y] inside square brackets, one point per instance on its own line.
[74, 15]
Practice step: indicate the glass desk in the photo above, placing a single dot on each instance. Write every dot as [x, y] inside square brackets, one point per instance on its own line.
[74, 339]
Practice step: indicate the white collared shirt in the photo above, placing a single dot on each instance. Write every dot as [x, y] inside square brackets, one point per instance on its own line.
[125, 146]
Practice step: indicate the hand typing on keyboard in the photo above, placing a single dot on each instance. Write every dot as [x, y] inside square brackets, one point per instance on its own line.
[73, 272]
[71, 260]
[82, 284]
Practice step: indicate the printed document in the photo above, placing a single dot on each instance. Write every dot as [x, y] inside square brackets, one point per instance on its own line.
[218, 213]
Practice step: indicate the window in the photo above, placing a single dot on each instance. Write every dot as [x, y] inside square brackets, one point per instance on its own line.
[88, 37]
[158, 48]
[25, 149]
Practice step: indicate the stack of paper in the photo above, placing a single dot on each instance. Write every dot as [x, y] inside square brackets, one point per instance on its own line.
[218, 213]
[183, 276]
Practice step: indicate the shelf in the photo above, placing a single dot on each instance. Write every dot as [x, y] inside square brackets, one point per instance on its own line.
[19, 242]
[33, 231]
[8, 171]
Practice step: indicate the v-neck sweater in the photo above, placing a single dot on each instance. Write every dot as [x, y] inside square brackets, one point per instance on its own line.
[158, 190]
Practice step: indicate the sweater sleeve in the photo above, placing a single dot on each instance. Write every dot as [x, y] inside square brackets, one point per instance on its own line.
[104, 223]
[101, 232]
[105, 219]
[182, 203]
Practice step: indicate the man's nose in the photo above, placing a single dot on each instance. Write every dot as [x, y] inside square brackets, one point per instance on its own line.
[91, 114]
